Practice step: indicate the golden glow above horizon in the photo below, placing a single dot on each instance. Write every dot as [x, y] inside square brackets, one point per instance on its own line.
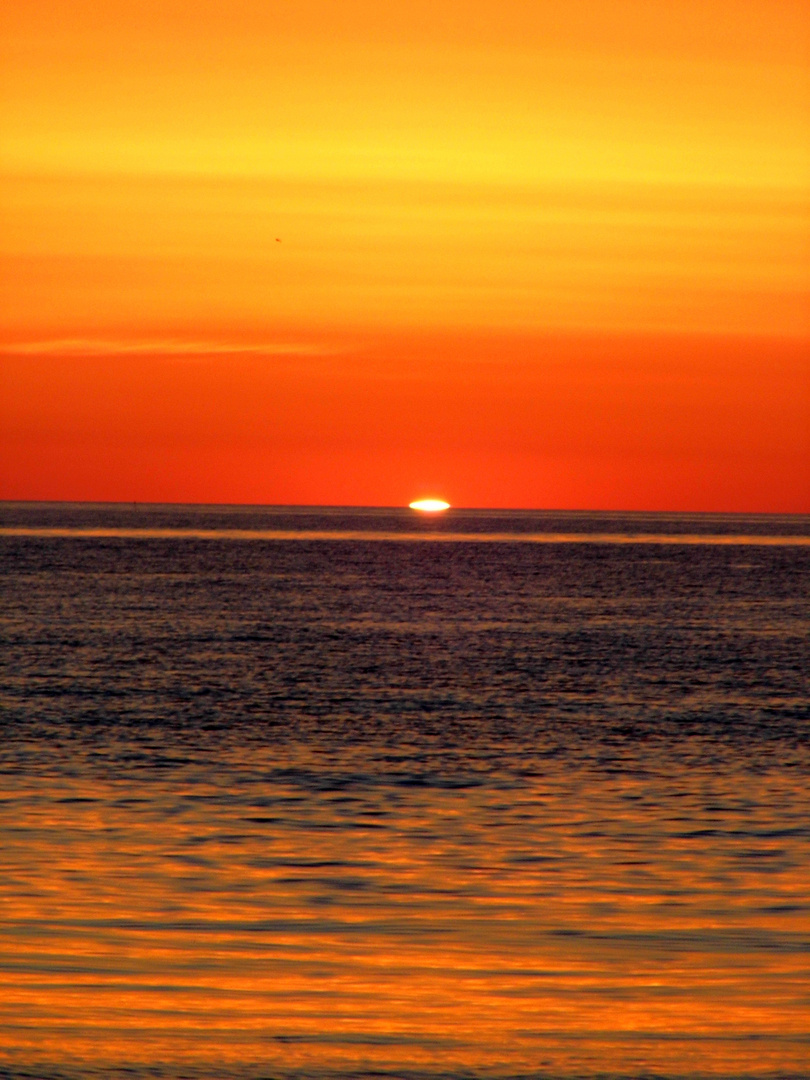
[429, 506]
[456, 171]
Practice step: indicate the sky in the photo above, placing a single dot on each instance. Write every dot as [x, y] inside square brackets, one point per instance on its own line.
[526, 254]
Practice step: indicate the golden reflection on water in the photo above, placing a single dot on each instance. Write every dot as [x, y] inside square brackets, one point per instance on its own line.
[427, 534]
[581, 921]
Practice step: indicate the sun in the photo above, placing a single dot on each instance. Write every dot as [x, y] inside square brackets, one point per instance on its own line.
[429, 506]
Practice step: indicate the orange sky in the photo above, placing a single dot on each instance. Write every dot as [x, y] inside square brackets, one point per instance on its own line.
[531, 253]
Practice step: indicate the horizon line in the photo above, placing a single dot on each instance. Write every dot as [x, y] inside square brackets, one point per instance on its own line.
[147, 503]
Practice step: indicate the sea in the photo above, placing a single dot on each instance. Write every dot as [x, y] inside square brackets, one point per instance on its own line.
[334, 793]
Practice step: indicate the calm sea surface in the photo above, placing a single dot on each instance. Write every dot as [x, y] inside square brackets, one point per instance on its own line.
[329, 793]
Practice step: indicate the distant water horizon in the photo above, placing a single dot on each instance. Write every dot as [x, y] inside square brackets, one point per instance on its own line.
[248, 521]
[339, 507]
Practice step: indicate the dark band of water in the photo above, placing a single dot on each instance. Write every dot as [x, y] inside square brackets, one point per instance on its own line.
[423, 536]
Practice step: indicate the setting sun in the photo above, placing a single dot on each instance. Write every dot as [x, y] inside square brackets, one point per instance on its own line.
[429, 506]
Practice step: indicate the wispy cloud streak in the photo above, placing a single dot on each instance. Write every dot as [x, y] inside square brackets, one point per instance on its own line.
[92, 347]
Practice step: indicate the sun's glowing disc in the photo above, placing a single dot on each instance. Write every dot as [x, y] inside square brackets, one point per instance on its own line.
[430, 506]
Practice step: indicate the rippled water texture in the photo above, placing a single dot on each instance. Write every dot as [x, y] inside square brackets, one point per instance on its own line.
[324, 807]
